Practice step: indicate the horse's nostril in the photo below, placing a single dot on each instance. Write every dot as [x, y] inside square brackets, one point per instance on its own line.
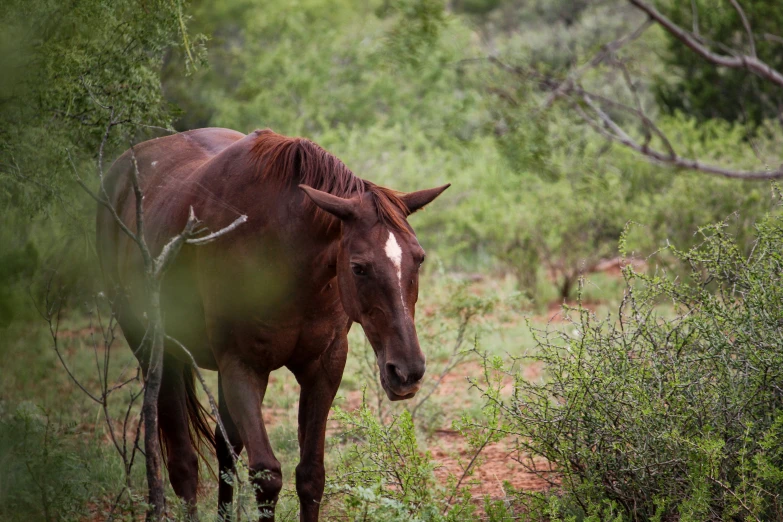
[416, 374]
[395, 371]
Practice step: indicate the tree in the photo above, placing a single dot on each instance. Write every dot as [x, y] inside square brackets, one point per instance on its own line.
[85, 80]
[624, 119]
[705, 91]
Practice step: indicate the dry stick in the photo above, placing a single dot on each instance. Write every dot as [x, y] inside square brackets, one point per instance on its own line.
[213, 236]
[53, 321]
[52, 316]
[635, 111]
[468, 469]
[638, 101]
[139, 197]
[154, 269]
[128, 461]
[695, 16]
[154, 375]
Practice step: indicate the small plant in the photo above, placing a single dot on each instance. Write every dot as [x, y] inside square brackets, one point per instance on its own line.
[383, 475]
[383, 465]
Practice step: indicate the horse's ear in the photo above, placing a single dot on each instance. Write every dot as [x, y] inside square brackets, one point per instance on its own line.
[416, 200]
[341, 208]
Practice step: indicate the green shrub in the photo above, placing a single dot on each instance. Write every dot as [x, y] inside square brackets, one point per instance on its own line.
[673, 409]
[42, 477]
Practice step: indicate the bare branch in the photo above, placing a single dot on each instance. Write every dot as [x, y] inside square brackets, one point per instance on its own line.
[108, 206]
[139, 196]
[646, 123]
[615, 133]
[773, 38]
[695, 16]
[213, 236]
[103, 145]
[609, 122]
[746, 24]
[603, 123]
[171, 248]
[751, 63]
[606, 50]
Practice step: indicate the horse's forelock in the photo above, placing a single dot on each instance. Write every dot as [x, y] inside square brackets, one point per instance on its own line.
[390, 207]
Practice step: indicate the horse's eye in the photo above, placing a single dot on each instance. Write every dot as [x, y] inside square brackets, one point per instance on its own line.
[359, 270]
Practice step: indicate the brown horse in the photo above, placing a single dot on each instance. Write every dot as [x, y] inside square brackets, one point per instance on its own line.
[322, 248]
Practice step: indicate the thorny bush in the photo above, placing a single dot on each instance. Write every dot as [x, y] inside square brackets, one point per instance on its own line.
[673, 409]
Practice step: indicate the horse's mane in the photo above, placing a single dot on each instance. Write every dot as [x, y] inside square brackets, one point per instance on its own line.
[294, 161]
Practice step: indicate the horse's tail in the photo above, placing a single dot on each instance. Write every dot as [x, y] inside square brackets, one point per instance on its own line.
[201, 434]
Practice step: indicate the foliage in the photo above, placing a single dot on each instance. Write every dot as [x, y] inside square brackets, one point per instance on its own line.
[311, 66]
[73, 68]
[386, 464]
[659, 415]
[395, 92]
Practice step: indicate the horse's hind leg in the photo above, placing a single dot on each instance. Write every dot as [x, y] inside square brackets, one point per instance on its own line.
[182, 459]
[224, 456]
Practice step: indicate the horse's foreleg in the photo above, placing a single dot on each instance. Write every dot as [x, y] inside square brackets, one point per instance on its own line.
[319, 382]
[224, 456]
[244, 389]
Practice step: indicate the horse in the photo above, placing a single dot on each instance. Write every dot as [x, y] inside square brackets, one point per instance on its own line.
[321, 249]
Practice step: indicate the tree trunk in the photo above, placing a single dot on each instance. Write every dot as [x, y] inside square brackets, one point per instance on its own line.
[565, 289]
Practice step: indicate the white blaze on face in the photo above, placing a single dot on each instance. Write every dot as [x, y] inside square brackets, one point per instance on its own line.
[394, 253]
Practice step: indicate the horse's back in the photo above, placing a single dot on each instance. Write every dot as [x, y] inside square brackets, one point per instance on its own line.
[168, 169]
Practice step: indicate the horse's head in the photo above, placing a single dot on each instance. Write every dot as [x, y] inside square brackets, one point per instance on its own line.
[378, 264]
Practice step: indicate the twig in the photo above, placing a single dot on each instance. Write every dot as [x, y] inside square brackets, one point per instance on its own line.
[746, 24]
[213, 236]
[606, 50]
